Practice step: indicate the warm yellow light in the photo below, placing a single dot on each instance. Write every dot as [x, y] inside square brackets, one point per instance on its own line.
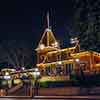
[6, 73]
[56, 44]
[41, 46]
[77, 60]
[59, 62]
[36, 69]
[17, 81]
[36, 73]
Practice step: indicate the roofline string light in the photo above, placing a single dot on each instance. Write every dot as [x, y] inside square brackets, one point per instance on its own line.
[41, 46]
[56, 44]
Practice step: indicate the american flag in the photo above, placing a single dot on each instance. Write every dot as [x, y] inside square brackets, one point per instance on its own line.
[74, 40]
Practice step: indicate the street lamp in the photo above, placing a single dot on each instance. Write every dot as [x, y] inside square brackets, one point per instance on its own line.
[7, 77]
[36, 74]
[77, 62]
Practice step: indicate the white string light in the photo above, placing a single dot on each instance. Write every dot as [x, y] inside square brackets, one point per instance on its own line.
[41, 46]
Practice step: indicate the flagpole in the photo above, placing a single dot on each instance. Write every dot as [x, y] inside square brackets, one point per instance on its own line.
[48, 23]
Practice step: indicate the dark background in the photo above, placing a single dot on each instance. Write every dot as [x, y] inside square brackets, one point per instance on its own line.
[26, 19]
[23, 22]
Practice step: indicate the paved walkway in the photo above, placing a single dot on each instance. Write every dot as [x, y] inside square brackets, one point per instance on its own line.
[15, 88]
[69, 97]
[56, 98]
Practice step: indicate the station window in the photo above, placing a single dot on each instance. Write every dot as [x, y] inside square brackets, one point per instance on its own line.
[69, 68]
[58, 70]
[47, 70]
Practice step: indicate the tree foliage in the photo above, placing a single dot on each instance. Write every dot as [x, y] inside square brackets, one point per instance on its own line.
[86, 24]
[16, 53]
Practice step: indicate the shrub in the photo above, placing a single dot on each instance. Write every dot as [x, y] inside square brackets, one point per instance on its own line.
[53, 84]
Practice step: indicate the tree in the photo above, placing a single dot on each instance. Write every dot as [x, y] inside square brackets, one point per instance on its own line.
[16, 53]
[86, 24]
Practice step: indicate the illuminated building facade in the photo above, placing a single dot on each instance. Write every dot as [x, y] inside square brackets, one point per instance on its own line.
[54, 61]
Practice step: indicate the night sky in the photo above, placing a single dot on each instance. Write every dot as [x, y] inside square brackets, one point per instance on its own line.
[21, 19]
[26, 19]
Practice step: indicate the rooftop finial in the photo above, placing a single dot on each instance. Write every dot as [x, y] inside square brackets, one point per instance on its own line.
[48, 24]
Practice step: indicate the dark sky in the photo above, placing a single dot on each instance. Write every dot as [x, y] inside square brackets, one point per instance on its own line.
[26, 19]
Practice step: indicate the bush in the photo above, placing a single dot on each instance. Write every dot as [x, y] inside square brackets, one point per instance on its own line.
[53, 84]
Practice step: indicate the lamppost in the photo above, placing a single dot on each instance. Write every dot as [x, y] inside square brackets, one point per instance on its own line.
[36, 74]
[7, 77]
[77, 61]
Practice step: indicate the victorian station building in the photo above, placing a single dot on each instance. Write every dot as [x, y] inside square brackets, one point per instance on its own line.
[54, 61]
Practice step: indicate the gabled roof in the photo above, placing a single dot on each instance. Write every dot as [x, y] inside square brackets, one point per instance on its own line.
[48, 39]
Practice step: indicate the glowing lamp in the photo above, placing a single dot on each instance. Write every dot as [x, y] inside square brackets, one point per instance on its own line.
[55, 44]
[6, 73]
[71, 39]
[59, 62]
[7, 77]
[36, 74]
[41, 46]
[77, 60]
[23, 68]
[36, 69]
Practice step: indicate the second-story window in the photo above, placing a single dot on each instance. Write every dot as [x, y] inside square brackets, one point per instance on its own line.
[47, 70]
[69, 68]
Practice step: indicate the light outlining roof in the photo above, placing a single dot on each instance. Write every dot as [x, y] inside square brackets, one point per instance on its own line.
[66, 49]
[81, 54]
[76, 55]
[41, 46]
[57, 62]
[8, 69]
[48, 30]
[48, 37]
[57, 50]
[96, 54]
